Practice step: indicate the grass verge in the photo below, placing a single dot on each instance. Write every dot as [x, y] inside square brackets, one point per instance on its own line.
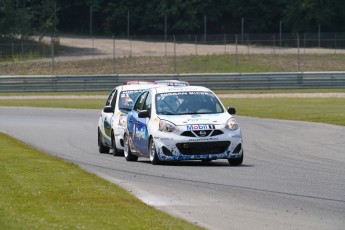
[39, 191]
[324, 110]
[243, 63]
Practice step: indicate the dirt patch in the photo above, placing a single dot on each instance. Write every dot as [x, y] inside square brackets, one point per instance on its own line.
[86, 48]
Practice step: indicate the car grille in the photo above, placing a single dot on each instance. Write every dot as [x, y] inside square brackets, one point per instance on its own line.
[202, 133]
[196, 148]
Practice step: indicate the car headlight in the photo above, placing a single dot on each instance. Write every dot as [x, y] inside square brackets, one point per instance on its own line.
[166, 126]
[123, 121]
[231, 124]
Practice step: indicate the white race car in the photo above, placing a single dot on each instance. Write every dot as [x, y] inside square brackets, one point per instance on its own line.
[182, 123]
[112, 121]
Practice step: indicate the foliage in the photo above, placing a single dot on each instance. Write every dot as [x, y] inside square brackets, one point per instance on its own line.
[24, 17]
[182, 17]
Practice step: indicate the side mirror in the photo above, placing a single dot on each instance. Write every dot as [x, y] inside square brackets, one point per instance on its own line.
[231, 110]
[108, 109]
[143, 114]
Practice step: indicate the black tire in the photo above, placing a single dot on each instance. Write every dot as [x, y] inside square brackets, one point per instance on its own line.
[153, 153]
[127, 150]
[101, 147]
[236, 161]
[116, 151]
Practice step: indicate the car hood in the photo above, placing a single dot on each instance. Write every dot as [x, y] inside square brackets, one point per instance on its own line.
[197, 119]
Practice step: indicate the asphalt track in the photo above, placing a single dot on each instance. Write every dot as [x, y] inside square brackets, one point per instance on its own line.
[293, 176]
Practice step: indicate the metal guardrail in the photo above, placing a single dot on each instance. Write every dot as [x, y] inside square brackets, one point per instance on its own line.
[228, 81]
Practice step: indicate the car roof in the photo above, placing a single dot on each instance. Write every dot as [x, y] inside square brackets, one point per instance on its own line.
[165, 89]
[172, 82]
[134, 87]
[138, 82]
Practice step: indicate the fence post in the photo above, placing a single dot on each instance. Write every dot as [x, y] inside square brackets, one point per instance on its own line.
[13, 50]
[130, 47]
[22, 47]
[225, 44]
[298, 55]
[165, 34]
[114, 59]
[280, 34]
[196, 45]
[274, 44]
[248, 44]
[305, 40]
[236, 59]
[335, 43]
[319, 37]
[174, 55]
[53, 61]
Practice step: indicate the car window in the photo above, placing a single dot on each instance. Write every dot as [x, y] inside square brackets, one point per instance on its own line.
[127, 99]
[113, 101]
[147, 103]
[194, 102]
[110, 97]
[140, 102]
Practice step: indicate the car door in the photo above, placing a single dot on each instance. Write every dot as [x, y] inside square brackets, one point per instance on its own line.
[111, 101]
[134, 125]
[143, 135]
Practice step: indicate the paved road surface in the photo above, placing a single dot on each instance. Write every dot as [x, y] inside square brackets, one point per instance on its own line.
[293, 176]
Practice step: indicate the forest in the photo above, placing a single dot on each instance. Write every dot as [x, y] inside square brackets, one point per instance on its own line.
[156, 17]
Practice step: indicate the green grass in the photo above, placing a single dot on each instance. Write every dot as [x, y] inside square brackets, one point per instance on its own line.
[39, 191]
[56, 103]
[56, 93]
[261, 91]
[324, 110]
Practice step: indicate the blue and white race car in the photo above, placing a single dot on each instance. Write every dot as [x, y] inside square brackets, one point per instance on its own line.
[113, 118]
[182, 123]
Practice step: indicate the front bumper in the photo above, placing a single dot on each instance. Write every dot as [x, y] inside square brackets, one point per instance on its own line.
[174, 147]
[118, 135]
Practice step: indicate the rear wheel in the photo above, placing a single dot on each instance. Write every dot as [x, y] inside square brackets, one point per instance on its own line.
[236, 161]
[101, 147]
[153, 153]
[127, 150]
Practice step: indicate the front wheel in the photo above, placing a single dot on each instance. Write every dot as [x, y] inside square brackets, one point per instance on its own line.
[116, 151]
[127, 150]
[236, 161]
[153, 153]
[101, 147]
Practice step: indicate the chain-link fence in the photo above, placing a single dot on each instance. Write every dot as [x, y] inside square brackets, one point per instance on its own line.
[62, 54]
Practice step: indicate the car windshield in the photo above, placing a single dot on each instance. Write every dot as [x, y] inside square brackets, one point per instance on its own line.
[127, 99]
[193, 102]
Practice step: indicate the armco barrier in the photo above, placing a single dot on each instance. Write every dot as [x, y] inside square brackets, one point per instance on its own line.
[295, 80]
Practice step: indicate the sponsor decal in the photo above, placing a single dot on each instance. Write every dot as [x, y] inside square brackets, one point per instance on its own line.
[166, 139]
[203, 139]
[140, 133]
[126, 92]
[183, 92]
[200, 127]
[198, 119]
